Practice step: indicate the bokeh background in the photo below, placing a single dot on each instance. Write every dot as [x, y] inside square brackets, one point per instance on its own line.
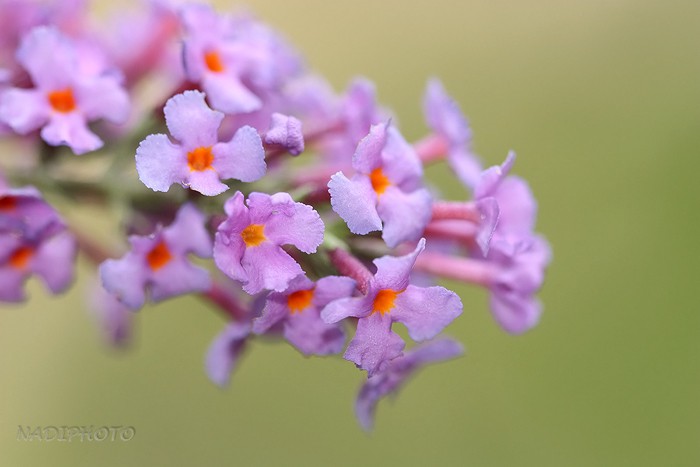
[601, 100]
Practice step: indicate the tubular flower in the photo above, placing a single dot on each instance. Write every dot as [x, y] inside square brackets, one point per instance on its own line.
[200, 161]
[425, 311]
[397, 373]
[386, 193]
[247, 245]
[298, 310]
[159, 263]
[69, 93]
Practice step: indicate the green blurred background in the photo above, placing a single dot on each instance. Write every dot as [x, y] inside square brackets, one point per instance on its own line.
[601, 101]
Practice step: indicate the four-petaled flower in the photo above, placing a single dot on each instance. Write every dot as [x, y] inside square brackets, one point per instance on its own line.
[200, 161]
[298, 310]
[69, 93]
[159, 262]
[425, 311]
[386, 193]
[248, 244]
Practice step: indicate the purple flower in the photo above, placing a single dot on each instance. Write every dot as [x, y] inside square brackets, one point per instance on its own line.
[200, 161]
[298, 309]
[24, 212]
[286, 132]
[236, 61]
[451, 128]
[159, 262]
[247, 245]
[49, 253]
[521, 262]
[396, 374]
[69, 93]
[517, 205]
[224, 352]
[386, 193]
[113, 317]
[425, 311]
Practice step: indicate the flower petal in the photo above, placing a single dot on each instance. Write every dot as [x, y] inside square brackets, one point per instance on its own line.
[425, 311]
[191, 121]
[404, 215]
[355, 202]
[224, 352]
[243, 158]
[393, 272]
[160, 163]
[374, 344]
[268, 267]
[24, 110]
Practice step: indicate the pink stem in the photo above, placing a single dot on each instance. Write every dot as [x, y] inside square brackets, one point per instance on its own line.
[221, 297]
[467, 211]
[273, 153]
[462, 269]
[462, 232]
[352, 267]
[432, 148]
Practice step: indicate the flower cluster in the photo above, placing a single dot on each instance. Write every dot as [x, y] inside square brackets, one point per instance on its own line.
[328, 219]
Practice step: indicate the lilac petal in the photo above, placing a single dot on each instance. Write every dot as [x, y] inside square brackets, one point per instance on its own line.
[393, 272]
[243, 158]
[397, 374]
[125, 279]
[311, 336]
[275, 310]
[205, 182]
[518, 206]
[268, 267]
[426, 311]
[405, 215]
[331, 288]
[303, 228]
[55, 261]
[374, 344]
[71, 129]
[12, 284]
[191, 121]
[178, 277]
[114, 319]
[515, 313]
[465, 166]
[224, 352]
[227, 94]
[368, 155]
[187, 233]
[492, 177]
[355, 202]
[489, 211]
[400, 162]
[48, 56]
[228, 253]
[160, 163]
[24, 110]
[442, 114]
[236, 210]
[285, 131]
[103, 97]
[357, 307]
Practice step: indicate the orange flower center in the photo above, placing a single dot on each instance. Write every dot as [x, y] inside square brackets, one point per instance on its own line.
[20, 257]
[159, 256]
[62, 100]
[213, 61]
[253, 234]
[7, 203]
[379, 181]
[384, 301]
[299, 300]
[200, 159]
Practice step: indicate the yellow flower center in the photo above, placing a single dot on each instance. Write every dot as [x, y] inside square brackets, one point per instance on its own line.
[253, 235]
[159, 256]
[379, 181]
[62, 100]
[7, 203]
[200, 159]
[384, 301]
[213, 61]
[299, 300]
[21, 256]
